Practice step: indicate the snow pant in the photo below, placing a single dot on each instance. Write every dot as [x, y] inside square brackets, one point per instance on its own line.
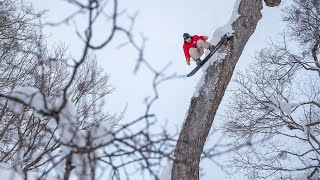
[197, 52]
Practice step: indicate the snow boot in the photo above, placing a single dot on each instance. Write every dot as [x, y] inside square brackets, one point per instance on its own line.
[198, 61]
[211, 47]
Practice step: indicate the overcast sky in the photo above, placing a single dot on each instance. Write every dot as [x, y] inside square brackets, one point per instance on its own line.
[163, 22]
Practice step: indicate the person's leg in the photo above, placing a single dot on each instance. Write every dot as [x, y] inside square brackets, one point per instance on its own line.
[201, 51]
[204, 44]
[194, 53]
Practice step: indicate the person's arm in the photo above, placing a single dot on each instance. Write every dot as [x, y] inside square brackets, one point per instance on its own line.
[186, 53]
[204, 38]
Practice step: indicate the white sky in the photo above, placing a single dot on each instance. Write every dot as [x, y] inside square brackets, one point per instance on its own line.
[163, 22]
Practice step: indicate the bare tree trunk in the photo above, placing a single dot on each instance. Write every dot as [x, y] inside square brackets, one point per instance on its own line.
[68, 167]
[203, 108]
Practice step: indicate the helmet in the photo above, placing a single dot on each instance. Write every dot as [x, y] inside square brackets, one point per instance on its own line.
[186, 36]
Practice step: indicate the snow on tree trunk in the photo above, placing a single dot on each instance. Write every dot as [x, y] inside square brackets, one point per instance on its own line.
[203, 107]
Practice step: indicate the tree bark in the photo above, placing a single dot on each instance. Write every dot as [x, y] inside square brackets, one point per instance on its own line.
[272, 3]
[203, 107]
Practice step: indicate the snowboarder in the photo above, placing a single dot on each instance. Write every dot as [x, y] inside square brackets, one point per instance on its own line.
[194, 46]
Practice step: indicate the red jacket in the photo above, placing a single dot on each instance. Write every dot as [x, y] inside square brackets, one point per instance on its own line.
[192, 44]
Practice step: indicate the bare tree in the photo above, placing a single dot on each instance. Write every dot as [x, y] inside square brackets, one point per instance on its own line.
[68, 134]
[51, 103]
[277, 103]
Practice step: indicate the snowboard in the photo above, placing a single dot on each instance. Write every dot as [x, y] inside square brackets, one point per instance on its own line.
[220, 43]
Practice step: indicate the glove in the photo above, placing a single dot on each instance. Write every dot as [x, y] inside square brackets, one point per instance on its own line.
[205, 38]
[188, 61]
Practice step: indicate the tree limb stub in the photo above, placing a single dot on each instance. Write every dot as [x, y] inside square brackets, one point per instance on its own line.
[272, 3]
